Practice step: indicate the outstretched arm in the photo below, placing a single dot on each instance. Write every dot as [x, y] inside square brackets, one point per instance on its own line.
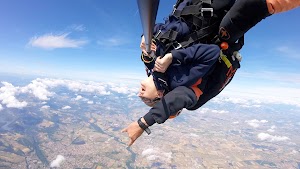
[179, 98]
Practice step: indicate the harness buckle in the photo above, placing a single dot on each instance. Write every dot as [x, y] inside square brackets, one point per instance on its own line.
[174, 9]
[204, 10]
[176, 45]
[157, 34]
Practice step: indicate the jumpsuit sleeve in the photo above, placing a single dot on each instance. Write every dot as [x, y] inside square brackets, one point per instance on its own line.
[177, 99]
[245, 14]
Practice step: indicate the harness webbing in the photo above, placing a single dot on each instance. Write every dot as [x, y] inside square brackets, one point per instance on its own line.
[194, 14]
[198, 35]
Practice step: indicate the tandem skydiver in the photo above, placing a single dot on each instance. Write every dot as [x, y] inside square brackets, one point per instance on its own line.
[200, 49]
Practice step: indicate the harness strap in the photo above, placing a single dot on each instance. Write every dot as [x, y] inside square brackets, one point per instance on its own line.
[187, 10]
[193, 10]
[203, 1]
[225, 60]
[198, 35]
[193, 14]
[193, 2]
[169, 35]
[177, 3]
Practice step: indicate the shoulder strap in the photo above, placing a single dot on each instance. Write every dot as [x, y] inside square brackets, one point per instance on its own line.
[199, 35]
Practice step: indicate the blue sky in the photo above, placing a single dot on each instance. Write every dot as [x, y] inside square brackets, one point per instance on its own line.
[93, 40]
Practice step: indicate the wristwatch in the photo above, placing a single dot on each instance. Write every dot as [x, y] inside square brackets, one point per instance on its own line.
[143, 126]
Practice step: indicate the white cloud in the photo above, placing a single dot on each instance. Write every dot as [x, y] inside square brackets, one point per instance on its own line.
[272, 129]
[57, 162]
[90, 87]
[236, 122]
[111, 42]
[259, 94]
[90, 102]
[255, 123]
[79, 28]
[124, 90]
[120, 89]
[251, 106]
[155, 155]
[289, 52]
[66, 107]
[14, 103]
[78, 97]
[38, 88]
[45, 107]
[85, 99]
[207, 110]
[1, 108]
[7, 95]
[133, 94]
[220, 111]
[50, 41]
[194, 135]
[271, 138]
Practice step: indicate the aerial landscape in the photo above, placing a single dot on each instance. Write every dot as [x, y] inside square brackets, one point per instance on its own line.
[77, 124]
[75, 74]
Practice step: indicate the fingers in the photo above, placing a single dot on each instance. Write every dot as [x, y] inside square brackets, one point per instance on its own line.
[131, 142]
[143, 47]
[153, 47]
[159, 66]
[124, 130]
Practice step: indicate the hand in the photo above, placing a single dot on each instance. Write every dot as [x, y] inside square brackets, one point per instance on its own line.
[143, 46]
[162, 64]
[134, 131]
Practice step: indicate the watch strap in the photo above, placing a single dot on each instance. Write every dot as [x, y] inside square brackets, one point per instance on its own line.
[143, 126]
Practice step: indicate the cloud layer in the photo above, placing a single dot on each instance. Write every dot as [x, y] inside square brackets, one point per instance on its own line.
[42, 89]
